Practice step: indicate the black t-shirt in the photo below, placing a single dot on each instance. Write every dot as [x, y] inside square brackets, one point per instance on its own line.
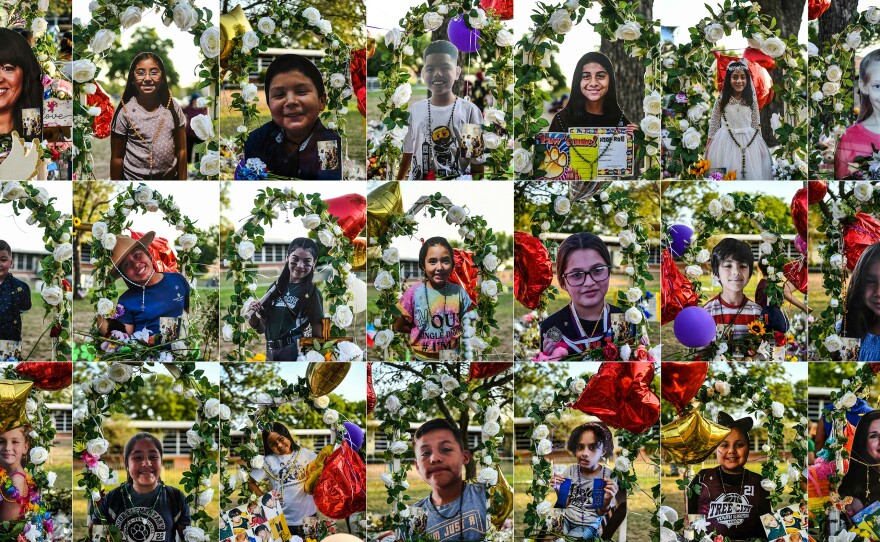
[142, 522]
[319, 159]
[295, 314]
[562, 326]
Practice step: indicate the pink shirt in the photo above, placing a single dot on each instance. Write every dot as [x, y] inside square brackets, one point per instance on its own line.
[856, 141]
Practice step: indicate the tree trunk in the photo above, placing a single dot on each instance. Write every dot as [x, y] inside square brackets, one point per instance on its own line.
[835, 19]
[789, 16]
[629, 71]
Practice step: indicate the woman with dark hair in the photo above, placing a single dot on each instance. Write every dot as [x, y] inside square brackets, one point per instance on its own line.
[734, 140]
[148, 138]
[285, 463]
[862, 479]
[21, 87]
[295, 144]
[143, 507]
[593, 101]
[730, 497]
[15, 297]
[583, 269]
[292, 307]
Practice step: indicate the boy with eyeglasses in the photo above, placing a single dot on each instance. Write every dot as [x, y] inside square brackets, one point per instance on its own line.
[583, 269]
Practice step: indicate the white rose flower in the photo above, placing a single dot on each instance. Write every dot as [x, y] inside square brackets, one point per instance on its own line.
[853, 40]
[249, 40]
[266, 25]
[768, 485]
[257, 462]
[628, 31]
[727, 202]
[622, 464]
[194, 534]
[621, 219]
[337, 80]
[489, 288]
[432, 21]
[205, 497]
[209, 41]
[249, 93]
[383, 338]
[185, 17]
[97, 446]
[765, 248]
[626, 238]
[39, 26]
[504, 38]
[311, 221]
[651, 125]
[212, 408]
[696, 112]
[327, 238]
[817, 96]
[391, 256]
[53, 295]
[872, 15]
[651, 104]
[544, 447]
[714, 32]
[227, 332]
[343, 316]
[456, 215]
[834, 73]
[103, 386]
[488, 476]
[187, 241]
[492, 140]
[693, 272]
[39, 455]
[102, 40]
[387, 480]
[193, 439]
[863, 191]
[541, 432]
[633, 315]
[393, 38]
[544, 508]
[83, 71]
[773, 47]
[562, 206]
[560, 21]
[703, 256]
[833, 343]
[399, 447]
[203, 126]
[431, 390]
[105, 307]
[63, 252]
[246, 250]
[330, 416]
[777, 409]
[479, 20]
[120, 373]
[401, 95]
[848, 400]
[577, 386]
[830, 89]
[715, 208]
[490, 429]
[522, 161]
[634, 294]
[392, 404]
[490, 262]
[384, 281]
[225, 412]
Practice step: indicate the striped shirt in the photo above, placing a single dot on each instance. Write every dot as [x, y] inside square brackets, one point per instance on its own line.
[737, 318]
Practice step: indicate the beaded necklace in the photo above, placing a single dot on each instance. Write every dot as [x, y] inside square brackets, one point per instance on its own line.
[137, 133]
[137, 509]
[593, 164]
[742, 149]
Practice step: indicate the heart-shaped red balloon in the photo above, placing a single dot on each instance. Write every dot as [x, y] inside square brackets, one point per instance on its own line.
[485, 369]
[47, 375]
[796, 273]
[371, 391]
[681, 380]
[858, 236]
[815, 8]
[532, 269]
[351, 213]
[799, 211]
[620, 395]
[342, 487]
[465, 273]
[676, 291]
[817, 189]
[760, 77]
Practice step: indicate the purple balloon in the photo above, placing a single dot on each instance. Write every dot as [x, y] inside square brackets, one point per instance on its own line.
[800, 244]
[354, 435]
[465, 39]
[694, 327]
[681, 238]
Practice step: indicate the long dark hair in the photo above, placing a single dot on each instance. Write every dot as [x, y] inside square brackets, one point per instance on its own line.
[576, 109]
[866, 109]
[727, 89]
[859, 318]
[163, 89]
[856, 481]
[284, 279]
[15, 50]
[281, 429]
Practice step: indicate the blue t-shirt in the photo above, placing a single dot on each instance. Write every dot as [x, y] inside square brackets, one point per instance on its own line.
[451, 524]
[869, 348]
[166, 298]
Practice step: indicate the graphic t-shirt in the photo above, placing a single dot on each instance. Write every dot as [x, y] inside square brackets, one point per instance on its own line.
[139, 128]
[450, 524]
[732, 503]
[436, 147]
[294, 313]
[143, 522]
[288, 473]
[167, 298]
[580, 501]
[436, 317]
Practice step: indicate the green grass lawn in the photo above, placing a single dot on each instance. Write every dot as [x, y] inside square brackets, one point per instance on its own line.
[373, 98]
[35, 346]
[503, 314]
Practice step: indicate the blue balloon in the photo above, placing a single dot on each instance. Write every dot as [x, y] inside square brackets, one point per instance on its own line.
[694, 327]
[354, 435]
[465, 39]
[681, 239]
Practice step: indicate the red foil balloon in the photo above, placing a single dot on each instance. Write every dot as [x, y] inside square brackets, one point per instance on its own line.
[815, 8]
[799, 211]
[350, 211]
[676, 291]
[162, 252]
[532, 269]
[760, 77]
[488, 368]
[620, 395]
[465, 273]
[796, 273]
[680, 381]
[817, 190]
[760, 57]
[342, 488]
[359, 77]
[47, 375]
[101, 123]
[504, 8]
[858, 236]
[371, 391]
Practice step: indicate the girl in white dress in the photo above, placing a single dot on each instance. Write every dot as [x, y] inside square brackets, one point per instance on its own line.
[735, 141]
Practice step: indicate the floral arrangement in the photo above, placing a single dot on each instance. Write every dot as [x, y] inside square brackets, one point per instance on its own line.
[100, 397]
[334, 66]
[99, 35]
[241, 246]
[619, 21]
[396, 89]
[758, 345]
[476, 237]
[692, 85]
[56, 293]
[404, 406]
[140, 345]
[251, 169]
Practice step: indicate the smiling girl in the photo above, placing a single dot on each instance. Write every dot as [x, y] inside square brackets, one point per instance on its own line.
[20, 82]
[863, 304]
[865, 133]
[14, 448]
[148, 138]
[735, 141]
[433, 308]
[15, 297]
[291, 144]
[143, 507]
[861, 481]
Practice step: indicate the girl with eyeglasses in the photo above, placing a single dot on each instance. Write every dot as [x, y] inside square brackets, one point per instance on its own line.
[293, 307]
[583, 268]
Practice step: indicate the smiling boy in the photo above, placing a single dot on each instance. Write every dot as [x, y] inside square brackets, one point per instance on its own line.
[431, 149]
[732, 264]
[456, 509]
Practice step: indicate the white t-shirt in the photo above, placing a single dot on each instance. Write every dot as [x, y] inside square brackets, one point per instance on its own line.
[579, 510]
[444, 157]
[288, 475]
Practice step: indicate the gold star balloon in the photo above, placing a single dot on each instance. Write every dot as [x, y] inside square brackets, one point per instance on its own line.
[690, 439]
[13, 398]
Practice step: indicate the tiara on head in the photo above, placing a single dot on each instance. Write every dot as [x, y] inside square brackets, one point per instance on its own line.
[737, 66]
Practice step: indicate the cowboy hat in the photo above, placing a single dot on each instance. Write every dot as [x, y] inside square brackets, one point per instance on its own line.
[125, 245]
